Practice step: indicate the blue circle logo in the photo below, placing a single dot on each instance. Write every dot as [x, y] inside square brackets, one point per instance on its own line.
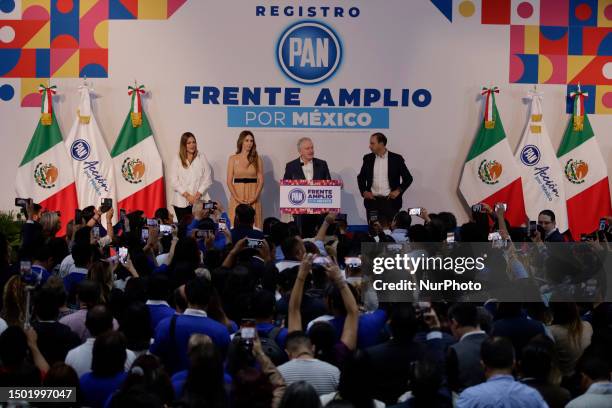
[530, 155]
[297, 196]
[309, 52]
[79, 150]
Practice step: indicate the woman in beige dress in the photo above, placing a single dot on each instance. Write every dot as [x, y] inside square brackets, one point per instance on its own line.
[245, 177]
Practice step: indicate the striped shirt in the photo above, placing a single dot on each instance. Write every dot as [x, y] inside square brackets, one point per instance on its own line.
[322, 376]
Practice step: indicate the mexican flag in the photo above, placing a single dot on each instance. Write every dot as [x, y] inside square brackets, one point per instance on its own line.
[45, 174]
[543, 185]
[585, 171]
[490, 174]
[91, 162]
[138, 165]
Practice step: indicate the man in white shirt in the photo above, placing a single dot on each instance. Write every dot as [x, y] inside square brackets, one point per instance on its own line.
[99, 321]
[307, 167]
[382, 180]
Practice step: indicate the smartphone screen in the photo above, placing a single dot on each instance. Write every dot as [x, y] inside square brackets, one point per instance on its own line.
[254, 243]
[222, 224]
[414, 211]
[144, 234]
[123, 254]
[165, 229]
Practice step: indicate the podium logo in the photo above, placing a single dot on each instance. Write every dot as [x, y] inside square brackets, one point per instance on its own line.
[309, 52]
[297, 196]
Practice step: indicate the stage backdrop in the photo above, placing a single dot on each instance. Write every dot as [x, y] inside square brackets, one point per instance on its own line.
[335, 71]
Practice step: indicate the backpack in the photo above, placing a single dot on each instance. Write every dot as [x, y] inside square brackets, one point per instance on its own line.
[271, 347]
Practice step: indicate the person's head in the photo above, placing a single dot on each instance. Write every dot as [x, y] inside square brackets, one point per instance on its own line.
[101, 273]
[205, 376]
[323, 337]
[88, 293]
[297, 344]
[537, 358]
[148, 374]
[418, 233]
[158, 287]
[46, 304]
[251, 388]
[305, 148]
[279, 232]
[109, 353]
[592, 367]
[50, 222]
[378, 143]
[567, 315]
[13, 346]
[245, 215]
[59, 250]
[14, 301]
[198, 292]
[99, 320]
[135, 324]
[354, 385]
[56, 285]
[82, 253]
[404, 322]
[293, 248]
[163, 214]
[546, 219]
[87, 213]
[188, 148]
[425, 380]
[497, 355]
[463, 319]
[263, 305]
[401, 220]
[300, 394]
[268, 223]
[335, 303]
[61, 374]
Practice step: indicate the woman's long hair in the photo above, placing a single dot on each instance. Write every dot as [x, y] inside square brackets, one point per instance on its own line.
[101, 273]
[566, 314]
[252, 157]
[183, 148]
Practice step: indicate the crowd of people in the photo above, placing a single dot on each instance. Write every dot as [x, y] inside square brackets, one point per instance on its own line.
[206, 314]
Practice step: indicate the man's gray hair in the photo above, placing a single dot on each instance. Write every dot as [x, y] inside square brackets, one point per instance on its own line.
[302, 140]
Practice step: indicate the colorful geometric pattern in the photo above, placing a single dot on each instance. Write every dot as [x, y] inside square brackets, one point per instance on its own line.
[64, 39]
[551, 42]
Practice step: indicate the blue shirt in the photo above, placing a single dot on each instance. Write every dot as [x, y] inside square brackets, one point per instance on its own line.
[96, 390]
[193, 321]
[158, 311]
[240, 232]
[370, 331]
[220, 241]
[500, 391]
[72, 280]
[281, 338]
[42, 273]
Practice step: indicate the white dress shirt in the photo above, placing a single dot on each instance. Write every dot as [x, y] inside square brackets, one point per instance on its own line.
[197, 177]
[380, 181]
[80, 357]
[308, 170]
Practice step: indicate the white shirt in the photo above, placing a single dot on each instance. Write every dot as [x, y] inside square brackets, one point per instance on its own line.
[80, 357]
[308, 170]
[197, 177]
[66, 265]
[380, 181]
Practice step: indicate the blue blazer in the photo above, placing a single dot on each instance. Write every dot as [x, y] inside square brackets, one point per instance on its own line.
[293, 170]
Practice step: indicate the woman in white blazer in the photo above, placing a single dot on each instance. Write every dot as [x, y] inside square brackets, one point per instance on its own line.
[191, 176]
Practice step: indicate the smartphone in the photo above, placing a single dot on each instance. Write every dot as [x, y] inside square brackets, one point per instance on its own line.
[395, 247]
[341, 217]
[165, 229]
[152, 222]
[254, 243]
[533, 227]
[222, 224]
[22, 202]
[96, 232]
[352, 261]
[210, 205]
[123, 254]
[321, 260]
[144, 235]
[202, 234]
[78, 218]
[501, 205]
[122, 214]
[450, 237]
[373, 215]
[414, 211]
[247, 329]
[603, 224]
[107, 204]
[479, 208]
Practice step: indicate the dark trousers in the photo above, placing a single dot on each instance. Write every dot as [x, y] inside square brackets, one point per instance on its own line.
[383, 207]
[181, 212]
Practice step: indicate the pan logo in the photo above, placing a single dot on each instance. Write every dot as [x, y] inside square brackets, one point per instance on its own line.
[309, 52]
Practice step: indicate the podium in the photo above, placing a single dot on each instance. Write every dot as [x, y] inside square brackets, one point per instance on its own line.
[310, 196]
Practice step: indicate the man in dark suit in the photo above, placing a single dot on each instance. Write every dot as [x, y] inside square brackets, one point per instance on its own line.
[383, 179]
[307, 167]
[546, 219]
